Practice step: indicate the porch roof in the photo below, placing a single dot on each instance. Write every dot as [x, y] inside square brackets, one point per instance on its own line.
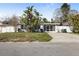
[50, 23]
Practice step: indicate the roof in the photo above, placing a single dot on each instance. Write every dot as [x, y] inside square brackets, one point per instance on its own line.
[4, 25]
[65, 24]
[50, 23]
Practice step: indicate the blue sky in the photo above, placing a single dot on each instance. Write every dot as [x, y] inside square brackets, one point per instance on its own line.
[46, 9]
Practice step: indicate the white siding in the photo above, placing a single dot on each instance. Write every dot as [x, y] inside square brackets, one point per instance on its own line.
[4, 29]
[18, 27]
[59, 28]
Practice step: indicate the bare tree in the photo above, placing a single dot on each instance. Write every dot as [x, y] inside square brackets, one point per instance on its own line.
[14, 21]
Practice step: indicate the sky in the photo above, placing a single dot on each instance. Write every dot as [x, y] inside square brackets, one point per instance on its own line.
[46, 9]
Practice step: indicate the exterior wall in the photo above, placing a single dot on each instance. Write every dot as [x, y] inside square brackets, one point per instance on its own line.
[7, 29]
[59, 28]
[4, 29]
[0, 23]
[18, 27]
[55, 28]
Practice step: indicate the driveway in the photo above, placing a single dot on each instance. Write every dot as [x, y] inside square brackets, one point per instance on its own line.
[64, 37]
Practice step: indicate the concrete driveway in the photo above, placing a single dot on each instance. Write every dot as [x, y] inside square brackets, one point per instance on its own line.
[63, 37]
[39, 49]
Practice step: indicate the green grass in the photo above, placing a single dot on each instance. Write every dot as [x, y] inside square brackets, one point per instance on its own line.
[23, 37]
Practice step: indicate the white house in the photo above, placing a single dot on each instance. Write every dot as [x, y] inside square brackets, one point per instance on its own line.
[60, 28]
[6, 28]
[56, 27]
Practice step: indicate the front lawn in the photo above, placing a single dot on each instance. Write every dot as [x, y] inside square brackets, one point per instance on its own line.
[22, 37]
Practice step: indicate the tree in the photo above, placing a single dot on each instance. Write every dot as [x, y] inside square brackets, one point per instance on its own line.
[75, 23]
[57, 13]
[52, 20]
[38, 19]
[14, 21]
[61, 14]
[28, 17]
[73, 12]
[6, 20]
[45, 20]
[65, 8]
[31, 18]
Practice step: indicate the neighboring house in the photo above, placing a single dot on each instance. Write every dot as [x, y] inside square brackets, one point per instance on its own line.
[6, 28]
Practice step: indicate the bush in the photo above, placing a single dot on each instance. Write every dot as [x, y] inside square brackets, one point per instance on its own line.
[64, 30]
[75, 23]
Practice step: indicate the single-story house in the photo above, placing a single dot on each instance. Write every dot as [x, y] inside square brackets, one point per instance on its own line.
[6, 28]
[55, 27]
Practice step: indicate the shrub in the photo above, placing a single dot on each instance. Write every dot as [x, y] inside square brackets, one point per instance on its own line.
[64, 30]
[75, 23]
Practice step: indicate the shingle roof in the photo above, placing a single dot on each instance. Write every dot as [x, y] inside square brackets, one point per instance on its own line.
[50, 23]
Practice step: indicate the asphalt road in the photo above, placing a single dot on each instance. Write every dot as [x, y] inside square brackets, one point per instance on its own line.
[39, 49]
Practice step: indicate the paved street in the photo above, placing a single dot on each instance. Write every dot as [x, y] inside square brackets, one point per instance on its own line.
[39, 49]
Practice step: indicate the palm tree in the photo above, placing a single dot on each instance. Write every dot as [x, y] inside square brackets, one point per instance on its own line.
[31, 18]
[28, 16]
[38, 19]
[65, 8]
